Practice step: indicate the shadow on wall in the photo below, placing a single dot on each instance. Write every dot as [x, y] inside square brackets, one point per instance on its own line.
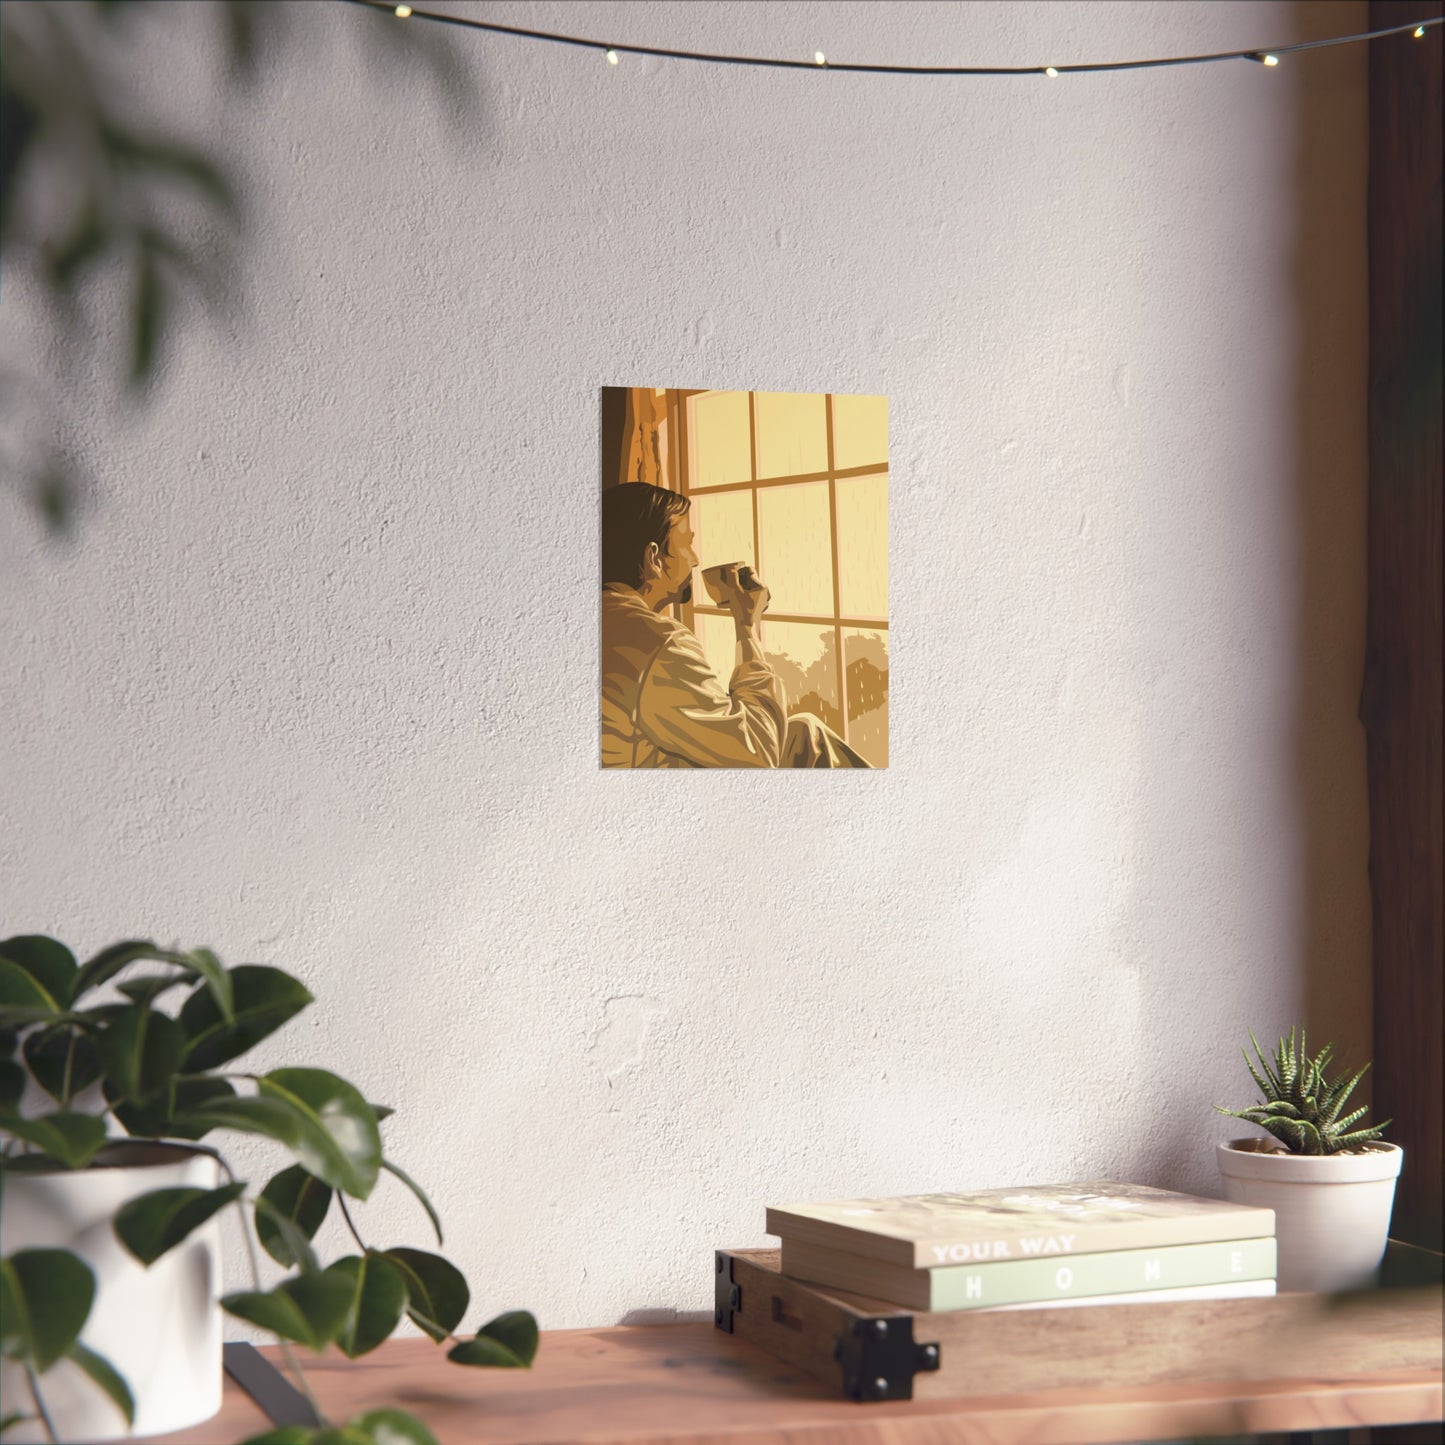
[1331, 306]
[91, 187]
[1324, 903]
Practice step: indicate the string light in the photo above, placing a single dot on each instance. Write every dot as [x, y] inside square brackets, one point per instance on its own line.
[1260, 56]
[402, 11]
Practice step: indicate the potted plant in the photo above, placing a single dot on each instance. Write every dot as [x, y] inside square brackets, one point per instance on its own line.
[1331, 1186]
[102, 1231]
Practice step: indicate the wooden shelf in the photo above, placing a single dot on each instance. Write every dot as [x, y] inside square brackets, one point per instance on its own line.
[693, 1384]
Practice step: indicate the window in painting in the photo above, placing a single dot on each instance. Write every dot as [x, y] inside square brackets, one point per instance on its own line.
[797, 487]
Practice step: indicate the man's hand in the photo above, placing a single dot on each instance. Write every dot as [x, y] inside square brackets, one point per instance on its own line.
[746, 597]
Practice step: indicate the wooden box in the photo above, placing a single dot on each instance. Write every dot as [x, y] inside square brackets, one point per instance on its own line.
[870, 1350]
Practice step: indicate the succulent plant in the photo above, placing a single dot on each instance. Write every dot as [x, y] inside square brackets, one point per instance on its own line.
[1301, 1108]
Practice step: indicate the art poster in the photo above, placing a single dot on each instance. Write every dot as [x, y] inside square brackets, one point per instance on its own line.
[744, 579]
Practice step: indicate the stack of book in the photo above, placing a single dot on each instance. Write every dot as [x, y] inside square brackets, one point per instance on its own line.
[1031, 1247]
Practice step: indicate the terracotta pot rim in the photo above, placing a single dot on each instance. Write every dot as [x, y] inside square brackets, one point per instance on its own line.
[118, 1153]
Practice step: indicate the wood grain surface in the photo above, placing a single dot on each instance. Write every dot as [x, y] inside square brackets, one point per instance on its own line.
[670, 1384]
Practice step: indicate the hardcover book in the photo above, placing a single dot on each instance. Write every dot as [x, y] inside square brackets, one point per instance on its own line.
[925, 1231]
[1031, 1281]
[1248, 1289]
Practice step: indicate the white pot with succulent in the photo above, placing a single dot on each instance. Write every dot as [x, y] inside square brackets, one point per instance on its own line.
[1332, 1189]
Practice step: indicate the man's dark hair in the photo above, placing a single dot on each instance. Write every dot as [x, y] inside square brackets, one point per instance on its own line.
[634, 515]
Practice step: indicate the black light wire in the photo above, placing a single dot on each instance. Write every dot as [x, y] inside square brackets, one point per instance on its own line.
[613, 48]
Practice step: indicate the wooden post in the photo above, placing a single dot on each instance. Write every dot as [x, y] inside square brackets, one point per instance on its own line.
[1400, 702]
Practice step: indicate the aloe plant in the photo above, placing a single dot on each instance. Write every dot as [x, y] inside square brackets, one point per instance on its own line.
[1301, 1107]
[169, 1076]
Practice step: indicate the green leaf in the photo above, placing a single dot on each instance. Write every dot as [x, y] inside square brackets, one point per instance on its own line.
[148, 989]
[50, 964]
[9, 1041]
[180, 161]
[147, 316]
[23, 999]
[109, 962]
[142, 1051]
[382, 1112]
[209, 967]
[151, 1224]
[10, 1421]
[416, 1189]
[340, 1143]
[310, 1310]
[284, 1435]
[295, 1243]
[12, 1086]
[163, 1116]
[378, 1296]
[47, 1052]
[341, 1435]
[270, 1117]
[298, 1197]
[437, 1293]
[46, 1296]
[392, 1427]
[507, 1342]
[73, 1139]
[264, 998]
[106, 1376]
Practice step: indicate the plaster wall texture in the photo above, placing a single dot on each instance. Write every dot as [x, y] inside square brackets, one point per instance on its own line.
[315, 680]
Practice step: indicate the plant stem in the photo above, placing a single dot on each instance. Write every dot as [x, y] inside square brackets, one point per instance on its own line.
[65, 1081]
[286, 1353]
[39, 1403]
[346, 1215]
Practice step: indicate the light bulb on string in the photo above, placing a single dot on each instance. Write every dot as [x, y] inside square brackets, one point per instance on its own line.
[1260, 57]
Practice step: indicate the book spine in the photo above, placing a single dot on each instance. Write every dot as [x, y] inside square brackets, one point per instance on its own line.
[1116, 1272]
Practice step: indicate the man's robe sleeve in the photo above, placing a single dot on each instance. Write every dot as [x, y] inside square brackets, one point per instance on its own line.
[684, 711]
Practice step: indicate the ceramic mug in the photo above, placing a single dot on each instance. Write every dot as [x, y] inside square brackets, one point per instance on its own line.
[728, 574]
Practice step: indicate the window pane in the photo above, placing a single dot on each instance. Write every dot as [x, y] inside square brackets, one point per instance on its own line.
[723, 525]
[863, 547]
[792, 433]
[866, 654]
[795, 535]
[719, 643]
[860, 431]
[806, 659]
[719, 448]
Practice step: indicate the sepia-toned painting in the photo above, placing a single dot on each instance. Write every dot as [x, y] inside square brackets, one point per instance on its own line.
[744, 579]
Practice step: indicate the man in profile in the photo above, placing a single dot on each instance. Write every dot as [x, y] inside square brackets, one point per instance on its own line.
[662, 704]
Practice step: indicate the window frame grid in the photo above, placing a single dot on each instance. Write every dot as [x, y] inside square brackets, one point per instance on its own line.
[677, 406]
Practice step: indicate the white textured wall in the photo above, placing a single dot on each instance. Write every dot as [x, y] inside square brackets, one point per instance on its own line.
[315, 683]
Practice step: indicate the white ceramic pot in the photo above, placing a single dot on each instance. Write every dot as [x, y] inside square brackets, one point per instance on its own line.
[160, 1327]
[1331, 1211]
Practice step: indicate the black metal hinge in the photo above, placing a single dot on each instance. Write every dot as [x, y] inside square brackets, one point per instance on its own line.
[280, 1401]
[880, 1358]
[727, 1296]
